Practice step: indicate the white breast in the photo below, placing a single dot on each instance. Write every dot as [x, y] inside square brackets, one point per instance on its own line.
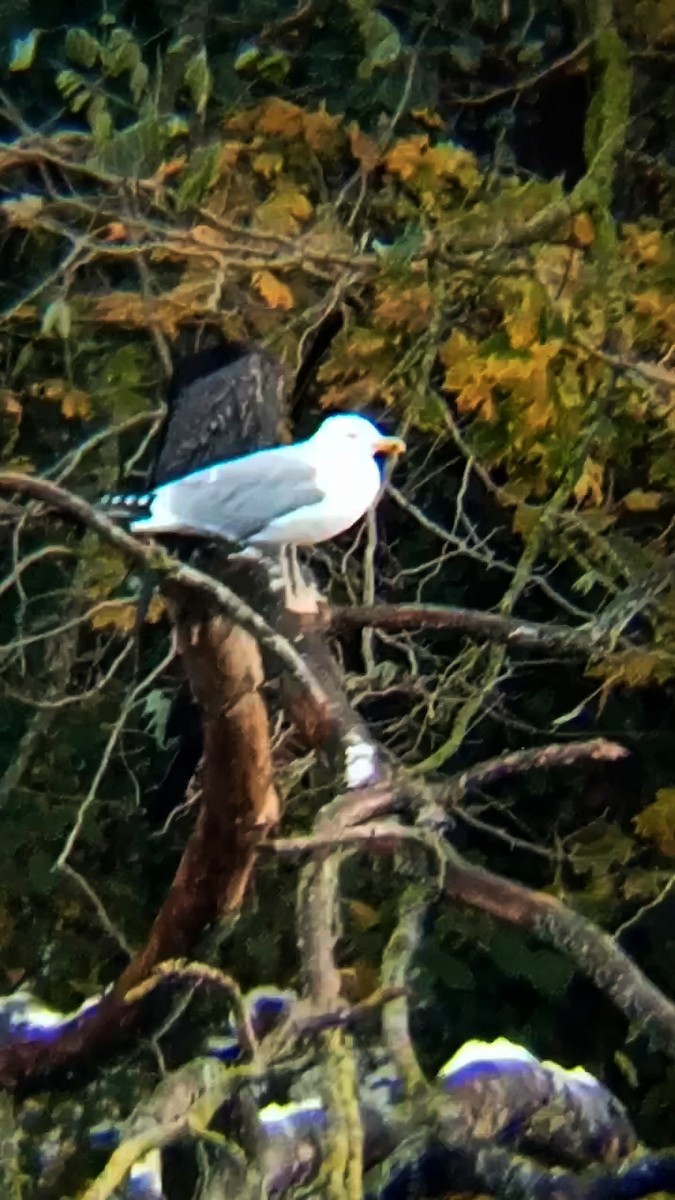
[350, 482]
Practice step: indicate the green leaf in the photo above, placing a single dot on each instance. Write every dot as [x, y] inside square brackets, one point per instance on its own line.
[122, 53]
[450, 971]
[57, 318]
[601, 846]
[176, 126]
[22, 51]
[135, 152]
[181, 45]
[40, 876]
[156, 708]
[542, 969]
[198, 80]
[201, 174]
[248, 55]
[78, 102]
[548, 972]
[382, 42]
[139, 80]
[271, 63]
[100, 121]
[70, 85]
[465, 51]
[82, 48]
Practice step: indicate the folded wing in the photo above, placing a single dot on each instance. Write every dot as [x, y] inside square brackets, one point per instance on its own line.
[235, 500]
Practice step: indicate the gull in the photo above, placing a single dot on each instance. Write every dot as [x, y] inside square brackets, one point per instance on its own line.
[284, 497]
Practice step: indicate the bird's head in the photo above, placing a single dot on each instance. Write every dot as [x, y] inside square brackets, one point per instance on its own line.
[351, 429]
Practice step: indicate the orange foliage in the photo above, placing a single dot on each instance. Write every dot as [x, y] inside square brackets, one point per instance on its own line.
[276, 118]
[123, 614]
[73, 401]
[653, 303]
[364, 148]
[656, 822]
[283, 211]
[128, 309]
[275, 293]
[406, 308]
[589, 484]
[427, 167]
[478, 378]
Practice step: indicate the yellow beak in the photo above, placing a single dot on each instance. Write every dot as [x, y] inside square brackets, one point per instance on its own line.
[390, 446]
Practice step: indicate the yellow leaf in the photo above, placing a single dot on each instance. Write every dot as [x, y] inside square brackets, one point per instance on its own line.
[406, 307]
[114, 231]
[526, 518]
[644, 246]
[524, 301]
[323, 131]
[283, 211]
[477, 397]
[639, 501]
[123, 614]
[427, 117]
[413, 158]
[166, 311]
[167, 170]
[22, 211]
[353, 396]
[280, 118]
[627, 1068]
[155, 610]
[589, 484]
[115, 614]
[631, 668]
[364, 343]
[364, 148]
[363, 915]
[229, 155]
[454, 162]
[652, 303]
[10, 404]
[268, 164]
[206, 235]
[583, 230]
[358, 981]
[275, 293]
[75, 403]
[559, 270]
[405, 156]
[656, 823]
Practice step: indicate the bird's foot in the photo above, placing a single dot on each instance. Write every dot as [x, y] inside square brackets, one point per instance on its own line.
[303, 599]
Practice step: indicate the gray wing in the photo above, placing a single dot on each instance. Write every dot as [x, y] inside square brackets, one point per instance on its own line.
[238, 499]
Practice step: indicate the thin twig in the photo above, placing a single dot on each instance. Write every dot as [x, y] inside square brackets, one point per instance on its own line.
[130, 702]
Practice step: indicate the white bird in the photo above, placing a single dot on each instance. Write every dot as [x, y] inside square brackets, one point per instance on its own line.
[287, 496]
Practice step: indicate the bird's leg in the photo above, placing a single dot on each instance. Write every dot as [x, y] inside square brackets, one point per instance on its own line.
[296, 573]
[300, 596]
[286, 573]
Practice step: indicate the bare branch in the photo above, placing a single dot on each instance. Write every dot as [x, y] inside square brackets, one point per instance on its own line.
[493, 627]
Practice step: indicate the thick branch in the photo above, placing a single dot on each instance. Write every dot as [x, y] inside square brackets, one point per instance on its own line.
[595, 953]
[538, 757]
[492, 627]
[239, 802]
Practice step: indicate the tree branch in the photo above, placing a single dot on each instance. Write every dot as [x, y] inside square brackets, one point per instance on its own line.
[492, 627]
